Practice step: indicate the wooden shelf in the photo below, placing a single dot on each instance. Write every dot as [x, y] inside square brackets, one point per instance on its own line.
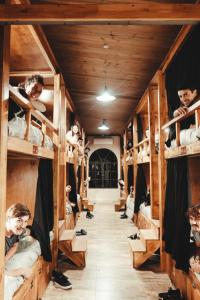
[17, 145]
[192, 149]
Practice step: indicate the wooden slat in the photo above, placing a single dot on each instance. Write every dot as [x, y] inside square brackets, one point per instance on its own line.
[137, 13]
[4, 95]
[17, 145]
[146, 140]
[190, 111]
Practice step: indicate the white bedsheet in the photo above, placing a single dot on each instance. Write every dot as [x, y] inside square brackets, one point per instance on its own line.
[187, 136]
[17, 128]
[27, 253]
[130, 203]
[146, 210]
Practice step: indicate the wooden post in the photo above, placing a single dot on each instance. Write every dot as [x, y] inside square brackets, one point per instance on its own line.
[28, 123]
[4, 95]
[56, 169]
[135, 151]
[162, 119]
[152, 97]
[177, 134]
[125, 166]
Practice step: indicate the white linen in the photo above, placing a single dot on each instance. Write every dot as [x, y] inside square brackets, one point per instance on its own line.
[130, 203]
[146, 210]
[187, 136]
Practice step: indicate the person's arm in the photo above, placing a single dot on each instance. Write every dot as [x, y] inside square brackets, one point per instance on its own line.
[11, 252]
[25, 272]
[182, 110]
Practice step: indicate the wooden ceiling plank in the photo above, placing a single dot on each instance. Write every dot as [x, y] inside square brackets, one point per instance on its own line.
[135, 13]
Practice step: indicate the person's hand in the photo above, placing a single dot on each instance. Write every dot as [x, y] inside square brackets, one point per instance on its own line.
[27, 272]
[182, 110]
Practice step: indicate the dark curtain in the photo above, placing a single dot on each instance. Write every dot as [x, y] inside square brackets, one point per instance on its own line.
[176, 225]
[43, 216]
[73, 193]
[139, 128]
[79, 178]
[141, 188]
[183, 70]
[130, 177]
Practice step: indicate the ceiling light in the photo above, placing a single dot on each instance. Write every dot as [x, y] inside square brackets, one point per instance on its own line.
[105, 46]
[103, 126]
[106, 96]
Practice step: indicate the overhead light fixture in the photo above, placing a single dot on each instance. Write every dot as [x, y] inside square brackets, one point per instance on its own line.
[103, 126]
[106, 96]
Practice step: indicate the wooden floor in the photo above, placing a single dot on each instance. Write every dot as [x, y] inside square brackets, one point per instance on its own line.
[108, 274]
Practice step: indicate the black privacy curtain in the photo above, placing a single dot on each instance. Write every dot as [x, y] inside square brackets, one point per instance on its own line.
[141, 188]
[176, 225]
[73, 193]
[43, 216]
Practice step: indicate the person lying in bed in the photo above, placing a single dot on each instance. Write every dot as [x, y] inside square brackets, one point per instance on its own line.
[194, 219]
[31, 89]
[17, 217]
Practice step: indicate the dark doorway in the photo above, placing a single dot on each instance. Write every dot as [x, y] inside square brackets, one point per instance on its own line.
[103, 169]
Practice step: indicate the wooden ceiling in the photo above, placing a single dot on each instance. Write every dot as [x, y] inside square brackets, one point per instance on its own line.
[133, 55]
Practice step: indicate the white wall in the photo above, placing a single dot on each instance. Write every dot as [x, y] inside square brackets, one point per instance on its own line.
[111, 195]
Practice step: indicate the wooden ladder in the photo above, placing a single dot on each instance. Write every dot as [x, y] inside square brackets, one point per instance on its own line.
[74, 247]
[145, 247]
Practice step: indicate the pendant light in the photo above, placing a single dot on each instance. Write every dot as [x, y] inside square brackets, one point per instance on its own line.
[106, 96]
[103, 125]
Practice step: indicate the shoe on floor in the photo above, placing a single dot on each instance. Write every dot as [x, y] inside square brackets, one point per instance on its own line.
[57, 274]
[124, 216]
[81, 232]
[134, 236]
[170, 295]
[64, 286]
[89, 215]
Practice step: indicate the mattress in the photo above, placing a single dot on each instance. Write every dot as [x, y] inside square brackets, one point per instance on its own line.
[26, 255]
[17, 128]
[187, 136]
[145, 210]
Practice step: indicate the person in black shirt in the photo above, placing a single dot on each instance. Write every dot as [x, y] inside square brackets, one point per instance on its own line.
[31, 89]
[17, 217]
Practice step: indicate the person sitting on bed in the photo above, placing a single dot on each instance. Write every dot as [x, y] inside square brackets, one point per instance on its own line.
[194, 219]
[31, 89]
[188, 95]
[17, 217]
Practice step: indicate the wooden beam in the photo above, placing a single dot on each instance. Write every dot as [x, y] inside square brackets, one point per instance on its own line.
[4, 96]
[134, 13]
[41, 41]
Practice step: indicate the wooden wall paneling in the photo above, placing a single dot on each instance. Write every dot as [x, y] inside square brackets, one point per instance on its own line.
[162, 174]
[4, 95]
[153, 156]
[22, 175]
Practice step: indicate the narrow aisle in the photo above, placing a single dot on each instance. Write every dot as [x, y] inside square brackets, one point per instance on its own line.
[108, 274]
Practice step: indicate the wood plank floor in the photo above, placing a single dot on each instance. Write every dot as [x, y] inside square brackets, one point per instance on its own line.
[108, 274]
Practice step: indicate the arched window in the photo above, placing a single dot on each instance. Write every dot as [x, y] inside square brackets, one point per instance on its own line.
[103, 169]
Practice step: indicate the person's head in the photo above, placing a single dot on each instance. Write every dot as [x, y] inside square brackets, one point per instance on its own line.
[33, 86]
[187, 94]
[75, 129]
[194, 217]
[68, 188]
[17, 217]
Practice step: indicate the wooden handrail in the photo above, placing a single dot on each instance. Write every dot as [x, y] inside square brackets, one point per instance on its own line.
[18, 98]
[191, 110]
[23, 102]
[142, 142]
